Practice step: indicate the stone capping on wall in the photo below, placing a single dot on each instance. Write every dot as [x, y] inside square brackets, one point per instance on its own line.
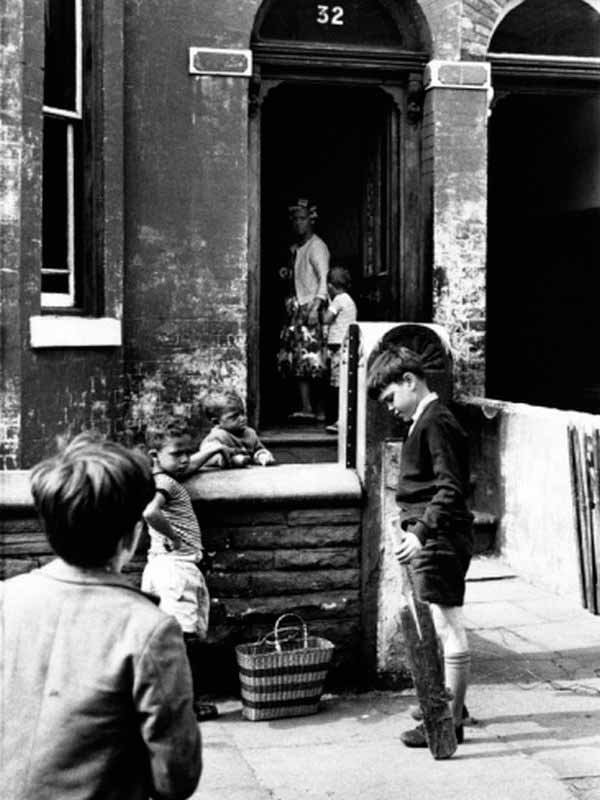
[14, 492]
[280, 484]
[285, 484]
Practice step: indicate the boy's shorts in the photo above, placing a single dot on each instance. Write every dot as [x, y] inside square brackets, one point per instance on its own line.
[440, 567]
[182, 591]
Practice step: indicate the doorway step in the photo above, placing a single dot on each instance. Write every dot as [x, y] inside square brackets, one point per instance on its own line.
[300, 445]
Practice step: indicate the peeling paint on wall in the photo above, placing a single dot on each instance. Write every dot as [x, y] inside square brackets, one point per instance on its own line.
[10, 425]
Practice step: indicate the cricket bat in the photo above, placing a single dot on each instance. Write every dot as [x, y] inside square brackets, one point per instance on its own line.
[427, 669]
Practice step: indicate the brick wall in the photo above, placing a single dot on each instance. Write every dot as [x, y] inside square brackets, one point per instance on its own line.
[186, 164]
[478, 21]
[275, 561]
[177, 269]
[281, 540]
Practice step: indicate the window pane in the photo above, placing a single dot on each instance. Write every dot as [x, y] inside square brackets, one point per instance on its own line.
[60, 55]
[55, 284]
[54, 196]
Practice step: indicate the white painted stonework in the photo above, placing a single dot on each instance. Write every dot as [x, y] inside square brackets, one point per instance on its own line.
[64, 331]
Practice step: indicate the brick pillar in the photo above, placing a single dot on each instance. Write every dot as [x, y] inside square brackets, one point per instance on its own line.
[455, 160]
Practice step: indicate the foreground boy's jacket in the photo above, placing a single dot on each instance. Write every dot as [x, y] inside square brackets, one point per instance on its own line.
[95, 691]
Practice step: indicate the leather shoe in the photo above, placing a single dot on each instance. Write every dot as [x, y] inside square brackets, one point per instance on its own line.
[415, 737]
[417, 714]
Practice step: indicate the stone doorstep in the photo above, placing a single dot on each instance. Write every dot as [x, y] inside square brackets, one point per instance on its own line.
[489, 568]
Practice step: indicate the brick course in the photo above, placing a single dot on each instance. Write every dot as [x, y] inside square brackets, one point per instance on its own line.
[266, 557]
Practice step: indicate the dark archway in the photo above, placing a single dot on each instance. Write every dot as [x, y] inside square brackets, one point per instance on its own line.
[544, 208]
[550, 28]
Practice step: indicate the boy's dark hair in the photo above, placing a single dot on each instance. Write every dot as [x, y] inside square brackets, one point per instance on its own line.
[90, 496]
[390, 366]
[160, 432]
[218, 401]
[339, 277]
[91, 436]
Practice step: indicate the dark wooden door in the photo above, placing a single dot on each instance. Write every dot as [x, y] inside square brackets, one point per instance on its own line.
[377, 285]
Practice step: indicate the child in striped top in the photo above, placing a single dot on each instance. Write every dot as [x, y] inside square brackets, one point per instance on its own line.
[173, 569]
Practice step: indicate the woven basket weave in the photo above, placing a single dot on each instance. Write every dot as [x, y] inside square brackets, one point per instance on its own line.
[283, 674]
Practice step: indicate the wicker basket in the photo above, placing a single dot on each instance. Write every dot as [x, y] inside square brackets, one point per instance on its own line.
[283, 674]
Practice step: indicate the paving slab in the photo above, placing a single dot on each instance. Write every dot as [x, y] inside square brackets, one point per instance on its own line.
[561, 637]
[571, 762]
[510, 589]
[584, 788]
[485, 568]
[501, 613]
[552, 612]
[501, 642]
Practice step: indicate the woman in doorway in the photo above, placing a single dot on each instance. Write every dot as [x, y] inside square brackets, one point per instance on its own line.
[301, 355]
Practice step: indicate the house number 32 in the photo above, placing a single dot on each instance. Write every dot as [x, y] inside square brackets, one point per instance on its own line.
[330, 15]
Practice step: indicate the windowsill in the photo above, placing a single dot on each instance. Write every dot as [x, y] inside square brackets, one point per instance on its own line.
[69, 331]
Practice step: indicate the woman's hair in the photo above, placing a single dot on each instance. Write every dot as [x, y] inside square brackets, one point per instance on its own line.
[390, 366]
[89, 497]
[304, 204]
[339, 277]
[217, 402]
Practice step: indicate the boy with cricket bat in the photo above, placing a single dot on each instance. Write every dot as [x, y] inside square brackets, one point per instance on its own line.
[435, 525]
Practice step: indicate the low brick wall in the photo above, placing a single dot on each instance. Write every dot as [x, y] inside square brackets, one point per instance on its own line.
[282, 539]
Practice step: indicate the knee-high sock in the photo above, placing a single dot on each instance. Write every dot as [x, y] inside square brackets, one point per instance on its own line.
[457, 668]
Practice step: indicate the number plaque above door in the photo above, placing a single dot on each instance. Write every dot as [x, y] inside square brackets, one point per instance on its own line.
[364, 23]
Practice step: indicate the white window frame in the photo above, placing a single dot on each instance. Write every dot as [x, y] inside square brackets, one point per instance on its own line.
[67, 299]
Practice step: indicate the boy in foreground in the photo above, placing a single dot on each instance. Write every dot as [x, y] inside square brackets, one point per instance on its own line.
[434, 519]
[96, 692]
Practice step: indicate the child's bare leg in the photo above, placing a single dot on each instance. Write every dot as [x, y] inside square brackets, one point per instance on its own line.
[196, 653]
[450, 627]
[305, 399]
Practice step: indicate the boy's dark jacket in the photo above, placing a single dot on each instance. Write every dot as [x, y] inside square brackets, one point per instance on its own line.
[434, 476]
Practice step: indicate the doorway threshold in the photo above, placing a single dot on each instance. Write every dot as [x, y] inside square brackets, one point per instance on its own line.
[300, 444]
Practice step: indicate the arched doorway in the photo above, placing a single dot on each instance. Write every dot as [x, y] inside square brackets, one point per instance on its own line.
[337, 99]
[544, 206]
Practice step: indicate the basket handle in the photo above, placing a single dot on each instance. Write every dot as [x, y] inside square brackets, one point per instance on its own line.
[302, 626]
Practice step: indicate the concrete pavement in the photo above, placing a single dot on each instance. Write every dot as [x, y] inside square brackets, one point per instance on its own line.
[535, 699]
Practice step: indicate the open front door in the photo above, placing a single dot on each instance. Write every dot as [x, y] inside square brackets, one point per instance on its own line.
[335, 113]
[340, 147]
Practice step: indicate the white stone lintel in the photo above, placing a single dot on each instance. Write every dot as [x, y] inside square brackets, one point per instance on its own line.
[458, 75]
[49, 330]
